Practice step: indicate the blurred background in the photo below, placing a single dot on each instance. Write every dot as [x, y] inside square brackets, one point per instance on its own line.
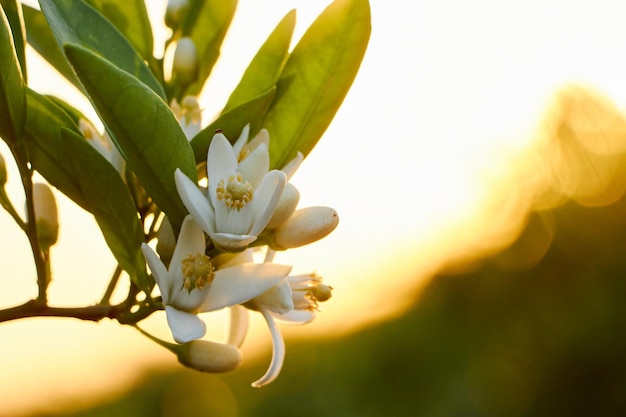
[477, 165]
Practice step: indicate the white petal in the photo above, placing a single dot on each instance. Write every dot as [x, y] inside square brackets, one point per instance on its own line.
[277, 299]
[243, 139]
[221, 162]
[296, 316]
[269, 255]
[255, 166]
[195, 201]
[190, 242]
[238, 325]
[161, 276]
[238, 284]
[293, 165]
[278, 353]
[230, 242]
[185, 327]
[266, 198]
[262, 137]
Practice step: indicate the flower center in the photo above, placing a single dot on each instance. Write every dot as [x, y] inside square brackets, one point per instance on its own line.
[237, 192]
[197, 271]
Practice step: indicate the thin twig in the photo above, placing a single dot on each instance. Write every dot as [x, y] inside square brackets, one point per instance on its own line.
[112, 284]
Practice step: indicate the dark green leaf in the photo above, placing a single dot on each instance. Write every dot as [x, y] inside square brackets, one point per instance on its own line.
[264, 70]
[142, 125]
[46, 151]
[13, 11]
[42, 39]
[75, 22]
[131, 18]
[12, 95]
[111, 204]
[232, 122]
[316, 78]
[206, 24]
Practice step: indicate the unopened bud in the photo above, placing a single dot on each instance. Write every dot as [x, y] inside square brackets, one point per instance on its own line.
[213, 357]
[166, 241]
[304, 226]
[3, 171]
[46, 215]
[286, 206]
[174, 12]
[185, 65]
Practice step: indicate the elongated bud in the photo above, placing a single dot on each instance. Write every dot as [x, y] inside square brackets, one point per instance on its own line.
[46, 215]
[174, 12]
[212, 357]
[185, 65]
[303, 227]
[3, 171]
[166, 241]
[286, 206]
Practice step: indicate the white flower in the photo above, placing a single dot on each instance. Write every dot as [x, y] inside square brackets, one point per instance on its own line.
[242, 192]
[192, 285]
[293, 301]
[189, 116]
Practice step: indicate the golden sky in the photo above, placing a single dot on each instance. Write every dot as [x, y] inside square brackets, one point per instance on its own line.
[447, 101]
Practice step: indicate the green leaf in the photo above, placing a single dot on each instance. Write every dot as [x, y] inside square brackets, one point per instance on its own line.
[46, 152]
[111, 204]
[265, 68]
[12, 95]
[75, 22]
[232, 122]
[71, 111]
[41, 38]
[131, 18]
[206, 24]
[316, 78]
[142, 125]
[13, 11]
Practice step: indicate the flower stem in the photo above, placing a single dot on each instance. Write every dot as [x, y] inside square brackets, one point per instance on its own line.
[41, 265]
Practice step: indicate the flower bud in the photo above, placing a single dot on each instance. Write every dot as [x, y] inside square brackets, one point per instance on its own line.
[46, 215]
[286, 206]
[206, 356]
[174, 12]
[304, 226]
[166, 241]
[3, 171]
[185, 65]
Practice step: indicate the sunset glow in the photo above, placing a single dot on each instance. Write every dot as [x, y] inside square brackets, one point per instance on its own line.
[429, 161]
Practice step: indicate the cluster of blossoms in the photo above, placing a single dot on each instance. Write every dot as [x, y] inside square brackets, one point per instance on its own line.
[246, 208]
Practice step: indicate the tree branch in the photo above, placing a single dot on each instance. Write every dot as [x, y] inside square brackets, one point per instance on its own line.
[33, 308]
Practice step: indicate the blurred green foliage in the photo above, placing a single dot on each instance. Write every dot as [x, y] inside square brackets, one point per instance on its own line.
[545, 341]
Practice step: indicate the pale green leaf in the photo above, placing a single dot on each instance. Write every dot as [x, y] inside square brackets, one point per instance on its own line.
[266, 66]
[131, 18]
[13, 11]
[141, 124]
[75, 22]
[12, 94]
[316, 78]
[111, 204]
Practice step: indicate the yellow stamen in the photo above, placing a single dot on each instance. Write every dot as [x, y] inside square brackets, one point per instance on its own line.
[198, 271]
[236, 194]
